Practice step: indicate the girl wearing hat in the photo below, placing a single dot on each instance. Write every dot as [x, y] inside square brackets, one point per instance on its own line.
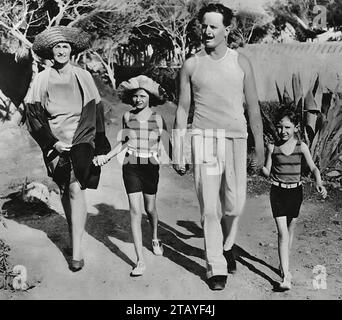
[65, 117]
[141, 134]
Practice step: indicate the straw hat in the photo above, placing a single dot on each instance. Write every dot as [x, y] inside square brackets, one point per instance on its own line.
[157, 93]
[46, 40]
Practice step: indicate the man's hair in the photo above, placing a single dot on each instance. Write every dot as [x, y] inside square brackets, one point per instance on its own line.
[287, 110]
[219, 8]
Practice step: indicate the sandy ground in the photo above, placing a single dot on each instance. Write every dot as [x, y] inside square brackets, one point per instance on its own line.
[38, 237]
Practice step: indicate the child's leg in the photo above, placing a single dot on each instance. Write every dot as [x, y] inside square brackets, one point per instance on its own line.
[291, 224]
[283, 243]
[136, 212]
[150, 208]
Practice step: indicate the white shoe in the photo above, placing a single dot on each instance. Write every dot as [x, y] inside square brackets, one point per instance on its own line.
[157, 247]
[138, 269]
[286, 284]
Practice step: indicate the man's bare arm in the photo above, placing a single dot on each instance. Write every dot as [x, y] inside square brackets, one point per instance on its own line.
[253, 109]
[182, 112]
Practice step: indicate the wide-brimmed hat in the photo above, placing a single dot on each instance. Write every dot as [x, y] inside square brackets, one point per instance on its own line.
[157, 93]
[46, 40]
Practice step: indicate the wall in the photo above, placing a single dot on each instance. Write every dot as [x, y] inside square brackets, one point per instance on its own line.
[279, 61]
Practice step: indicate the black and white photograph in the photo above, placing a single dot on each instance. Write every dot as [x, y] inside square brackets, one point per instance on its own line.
[171, 150]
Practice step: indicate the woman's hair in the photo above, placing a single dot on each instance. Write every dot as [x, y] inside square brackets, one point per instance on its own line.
[287, 110]
[219, 8]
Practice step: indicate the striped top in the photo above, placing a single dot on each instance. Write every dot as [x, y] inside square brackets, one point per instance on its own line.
[286, 168]
[143, 137]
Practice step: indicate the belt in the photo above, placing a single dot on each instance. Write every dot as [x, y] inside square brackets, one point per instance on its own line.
[142, 155]
[287, 185]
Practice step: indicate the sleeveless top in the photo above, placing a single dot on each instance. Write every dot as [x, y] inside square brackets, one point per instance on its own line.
[143, 136]
[286, 169]
[218, 91]
[64, 105]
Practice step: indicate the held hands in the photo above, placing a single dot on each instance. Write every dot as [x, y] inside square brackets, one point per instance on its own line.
[181, 169]
[258, 160]
[100, 160]
[321, 190]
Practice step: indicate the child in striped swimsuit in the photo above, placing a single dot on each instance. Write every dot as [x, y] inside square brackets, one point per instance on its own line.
[141, 135]
[283, 166]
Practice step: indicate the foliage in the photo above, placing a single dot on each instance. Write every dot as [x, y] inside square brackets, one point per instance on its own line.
[248, 27]
[320, 112]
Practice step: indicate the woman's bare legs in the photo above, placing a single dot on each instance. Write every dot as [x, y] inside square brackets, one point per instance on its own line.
[74, 204]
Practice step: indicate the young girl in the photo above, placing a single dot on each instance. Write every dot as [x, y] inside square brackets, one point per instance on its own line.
[283, 165]
[141, 134]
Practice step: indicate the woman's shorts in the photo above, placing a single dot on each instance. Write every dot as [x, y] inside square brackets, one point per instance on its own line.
[140, 174]
[286, 202]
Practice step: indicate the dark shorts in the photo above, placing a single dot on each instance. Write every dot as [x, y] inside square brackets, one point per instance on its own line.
[286, 202]
[63, 173]
[140, 174]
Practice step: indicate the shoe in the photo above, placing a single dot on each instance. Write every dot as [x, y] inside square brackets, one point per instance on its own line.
[217, 282]
[157, 247]
[138, 269]
[76, 265]
[286, 284]
[231, 263]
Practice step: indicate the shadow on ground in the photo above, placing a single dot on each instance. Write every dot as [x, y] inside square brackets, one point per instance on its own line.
[41, 217]
[241, 255]
[111, 222]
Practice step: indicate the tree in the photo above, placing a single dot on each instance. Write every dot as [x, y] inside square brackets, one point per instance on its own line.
[21, 20]
[248, 27]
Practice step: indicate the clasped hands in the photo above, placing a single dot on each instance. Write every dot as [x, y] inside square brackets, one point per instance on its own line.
[100, 160]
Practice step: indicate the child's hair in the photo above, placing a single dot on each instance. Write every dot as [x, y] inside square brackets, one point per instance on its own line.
[287, 110]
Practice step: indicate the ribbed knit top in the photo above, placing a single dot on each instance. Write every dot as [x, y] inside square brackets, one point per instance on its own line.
[219, 94]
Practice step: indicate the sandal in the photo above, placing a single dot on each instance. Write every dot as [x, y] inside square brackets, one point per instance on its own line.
[76, 265]
[286, 284]
[157, 247]
[138, 269]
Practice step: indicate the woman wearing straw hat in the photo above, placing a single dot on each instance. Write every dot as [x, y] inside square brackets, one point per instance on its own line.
[141, 135]
[65, 117]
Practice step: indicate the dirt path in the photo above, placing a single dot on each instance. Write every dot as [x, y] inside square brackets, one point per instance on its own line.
[37, 241]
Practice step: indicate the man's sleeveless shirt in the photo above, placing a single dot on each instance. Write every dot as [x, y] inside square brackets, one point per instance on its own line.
[286, 168]
[219, 94]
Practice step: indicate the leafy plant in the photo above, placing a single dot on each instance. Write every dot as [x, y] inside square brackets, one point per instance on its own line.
[320, 111]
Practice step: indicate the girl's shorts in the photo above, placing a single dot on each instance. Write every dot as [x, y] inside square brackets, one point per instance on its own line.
[286, 202]
[140, 174]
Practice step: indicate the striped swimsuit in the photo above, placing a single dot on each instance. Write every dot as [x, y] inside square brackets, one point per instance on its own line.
[286, 169]
[141, 165]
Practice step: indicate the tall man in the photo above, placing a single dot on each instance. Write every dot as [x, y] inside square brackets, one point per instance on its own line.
[219, 79]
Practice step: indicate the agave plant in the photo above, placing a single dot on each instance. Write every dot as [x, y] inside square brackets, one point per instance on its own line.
[320, 111]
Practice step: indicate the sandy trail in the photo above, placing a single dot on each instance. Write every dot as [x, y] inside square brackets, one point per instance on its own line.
[38, 242]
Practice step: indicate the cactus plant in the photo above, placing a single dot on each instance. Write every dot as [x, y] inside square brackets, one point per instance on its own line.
[320, 111]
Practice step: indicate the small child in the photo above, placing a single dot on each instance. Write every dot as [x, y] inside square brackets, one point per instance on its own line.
[141, 135]
[283, 165]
